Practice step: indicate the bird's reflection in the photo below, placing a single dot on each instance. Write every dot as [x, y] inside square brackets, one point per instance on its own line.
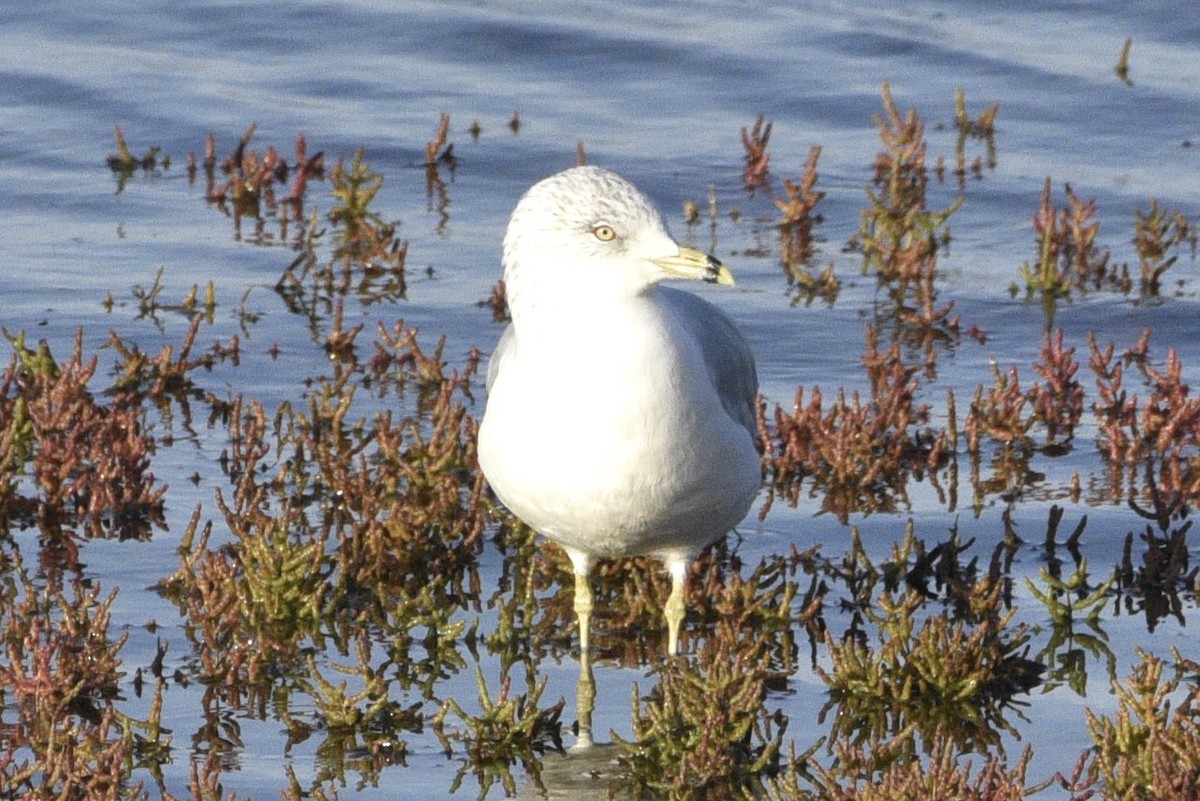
[585, 702]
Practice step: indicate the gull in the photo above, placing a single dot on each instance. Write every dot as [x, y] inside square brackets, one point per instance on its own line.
[620, 416]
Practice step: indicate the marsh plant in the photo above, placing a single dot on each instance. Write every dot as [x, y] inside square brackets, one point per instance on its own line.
[704, 732]
[1070, 259]
[346, 571]
[899, 234]
[757, 160]
[860, 451]
[1147, 750]
[981, 128]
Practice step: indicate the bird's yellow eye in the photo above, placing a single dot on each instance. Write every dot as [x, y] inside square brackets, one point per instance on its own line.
[605, 233]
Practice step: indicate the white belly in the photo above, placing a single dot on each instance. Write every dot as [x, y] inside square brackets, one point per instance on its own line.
[644, 461]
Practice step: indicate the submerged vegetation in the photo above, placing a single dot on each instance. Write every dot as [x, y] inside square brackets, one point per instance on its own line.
[341, 579]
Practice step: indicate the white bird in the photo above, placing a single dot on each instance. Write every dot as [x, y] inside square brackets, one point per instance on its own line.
[620, 416]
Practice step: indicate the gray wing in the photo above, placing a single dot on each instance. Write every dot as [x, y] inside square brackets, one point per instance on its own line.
[499, 355]
[726, 353]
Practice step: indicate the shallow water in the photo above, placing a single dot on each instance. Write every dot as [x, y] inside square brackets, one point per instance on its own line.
[660, 95]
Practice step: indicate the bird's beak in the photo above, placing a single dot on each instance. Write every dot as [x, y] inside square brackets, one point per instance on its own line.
[696, 264]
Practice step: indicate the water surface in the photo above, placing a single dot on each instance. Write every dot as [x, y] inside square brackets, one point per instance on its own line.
[660, 95]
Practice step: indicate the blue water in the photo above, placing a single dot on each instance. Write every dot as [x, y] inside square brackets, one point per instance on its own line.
[659, 94]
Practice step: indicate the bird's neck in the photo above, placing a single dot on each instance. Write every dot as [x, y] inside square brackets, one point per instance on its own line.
[551, 310]
[590, 326]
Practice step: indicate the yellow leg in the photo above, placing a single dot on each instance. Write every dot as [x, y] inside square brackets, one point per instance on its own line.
[583, 609]
[585, 701]
[676, 607]
[585, 690]
[583, 595]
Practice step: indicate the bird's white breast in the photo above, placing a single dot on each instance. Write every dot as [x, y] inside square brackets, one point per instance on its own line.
[599, 434]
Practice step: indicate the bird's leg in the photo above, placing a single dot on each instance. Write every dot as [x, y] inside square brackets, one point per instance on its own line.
[676, 608]
[585, 691]
[582, 563]
[583, 609]
[585, 701]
